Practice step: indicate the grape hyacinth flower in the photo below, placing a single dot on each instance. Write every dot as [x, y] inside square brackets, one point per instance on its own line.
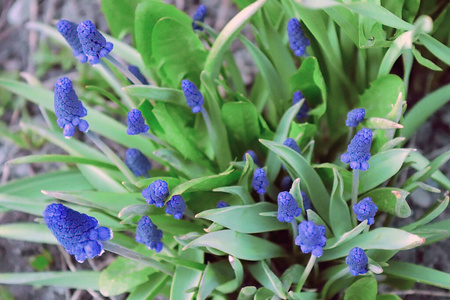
[291, 143]
[199, 15]
[287, 208]
[176, 206]
[286, 183]
[355, 116]
[253, 156]
[137, 162]
[297, 39]
[358, 151]
[222, 204]
[156, 193]
[304, 109]
[136, 72]
[365, 210]
[193, 96]
[306, 202]
[136, 122]
[357, 261]
[147, 233]
[260, 182]
[311, 238]
[93, 42]
[68, 109]
[69, 32]
[78, 233]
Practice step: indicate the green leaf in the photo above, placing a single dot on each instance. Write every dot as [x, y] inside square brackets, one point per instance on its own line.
[267, 278]
[162, 94]
[85, 280]
[151, 288]
[26, 205]
[247, 293]
[120, 15]
[340, 220]
[60, 158]
[240, 245]
[418, 274]
[420, 163]
[391, 200]
[236, 282]
[440, 50]
[432, 213]
[424, 61]
[215, 275]
[291, 275]
[245, 218]
[338, 240]
[122, 276]
[363, 289]
[237, 190]
[184, 278]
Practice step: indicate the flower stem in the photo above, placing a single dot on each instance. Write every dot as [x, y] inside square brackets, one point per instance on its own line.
[354, 194]
[156, 139]
[350, 135]
[261, 197]
[124, 70]
[294, 233]
[305, 274]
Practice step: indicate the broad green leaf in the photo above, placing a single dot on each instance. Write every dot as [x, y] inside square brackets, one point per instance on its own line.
[338, 240]
[189, 264]
[215, 275]
[391, 200]
[433, 212]
[440, 50]
[247, 293]
[240, 245]
[31, 232]
[340, 220]
[157, 93]
[85, 280]
[267, 278]
[264, 294]
[185, 279]
[426, 172]
[60, 158]
[245, 218]
[239, 191]
[236, 282]
[418, 274]
[291, 275]
[26, 205]
[363, 289]
[424, 61]
[181, 227]
[434, 232]
[120, 15]
[420, 162]
[151, 288]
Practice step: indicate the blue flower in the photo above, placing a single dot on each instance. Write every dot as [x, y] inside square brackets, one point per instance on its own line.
[222, 204]
[93, 42]
[137, 162]
[311, 238]
[260, 182]
[297, 39]
[68, 109]
[291, 143]
[147, 233]
[78, 233]
[176, 206]
[287, 208]
[355, 116]
[136, 72]
[358, 152]
[304, 109]
[253, 156]
[286, 183]
[136, 122]
[156, 193]
[193, 96]
[357, 261]
[199, 15]
[365, 210]
[306, 202]
[69, 31]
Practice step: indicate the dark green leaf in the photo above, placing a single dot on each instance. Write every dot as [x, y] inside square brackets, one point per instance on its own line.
[185, 279]
[157, 93]
[267, 278]
[340, 220]
[120, 15]
[363, 289]
[418, 274]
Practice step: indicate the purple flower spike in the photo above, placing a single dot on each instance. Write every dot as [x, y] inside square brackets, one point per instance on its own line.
[357, 261]
[93, 42]
[137, 162]
[306, 202]
[365, 210]
[136, 72]
[222, 204]
[286, 183]
[355, 116]
[253, 156]
[69, 31]
[68, 109]
[304, 109]
[291, 143]
[260, 181]
[176, 206]
[78, 233]
[311, 238]
[297, 39]
[287, 208]
[136, 122]
[193, 96]
[147, 233]
[156, 193]
[199, 15]
[358, 152]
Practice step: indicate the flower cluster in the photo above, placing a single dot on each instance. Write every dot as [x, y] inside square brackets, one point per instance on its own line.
[287, 207]
[147, 233]
[193, 96]
[304, 109]
[69, 31]
[137, 162]
[136, 122]
[93, 42]
[297, 39]
[358, 152]
[78, 233]
[357, 261]
[260, 182]
[199, 16]
[156, 193]
[355, 116]
[291, 143]
[311, 238]
[176, 206]
[222, 204]
[365, 210]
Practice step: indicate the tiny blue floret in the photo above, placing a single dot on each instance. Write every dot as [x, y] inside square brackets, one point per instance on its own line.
[137, 162]
[306, 202]
[311, 238]
[287, 207]
[297, 39]
[253, 156]
[304, 109]
[69, 31]
[68, 109]
[136, 122]
[93, 42]
[193, 96]
[147, 233]
[365, 210]
[358, 151]
[222, 204]
[78, 233]
[199, 15]
[176, 206]
[156, 193]
[136, 72]
[291, 143]
[357, 261]
[260, 182]
[355, 116]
